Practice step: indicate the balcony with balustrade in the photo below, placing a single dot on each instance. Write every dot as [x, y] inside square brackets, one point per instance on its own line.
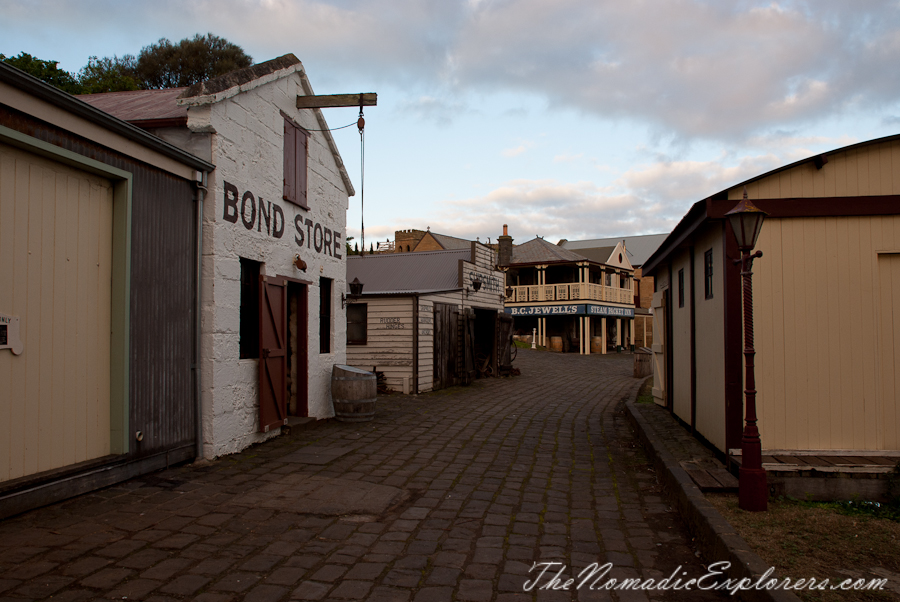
[582, 291]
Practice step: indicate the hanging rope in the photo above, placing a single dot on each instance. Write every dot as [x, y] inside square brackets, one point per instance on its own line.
[361, 124]
[332, 129]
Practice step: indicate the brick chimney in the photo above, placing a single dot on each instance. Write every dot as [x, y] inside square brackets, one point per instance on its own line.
[505, 242]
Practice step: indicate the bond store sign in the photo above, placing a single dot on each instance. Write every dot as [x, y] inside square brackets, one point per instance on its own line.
[255, 213]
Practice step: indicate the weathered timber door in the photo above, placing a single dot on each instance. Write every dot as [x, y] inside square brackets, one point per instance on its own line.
[468, 341]
[444, 346]
[272, 353]
[504, 342]
[887, 404]
[660, 394]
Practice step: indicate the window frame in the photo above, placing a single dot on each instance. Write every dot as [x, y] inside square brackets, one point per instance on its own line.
[248, 338]
[708, 273]
[325, 314]
[296, 164]
[364, 321]
[681, 287]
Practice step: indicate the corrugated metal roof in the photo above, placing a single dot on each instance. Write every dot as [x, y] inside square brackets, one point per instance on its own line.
[639, 248]
[600, 255]
[426, 271]
[139, 105]
[539, 250]
[76, 106]
[451, 242]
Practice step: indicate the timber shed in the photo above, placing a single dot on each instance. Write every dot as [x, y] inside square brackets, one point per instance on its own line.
[273, 250]
[428, 320]
[826, 309]
[99, 270]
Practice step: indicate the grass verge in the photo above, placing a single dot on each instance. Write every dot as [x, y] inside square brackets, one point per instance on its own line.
[645, 394]
[836, 541]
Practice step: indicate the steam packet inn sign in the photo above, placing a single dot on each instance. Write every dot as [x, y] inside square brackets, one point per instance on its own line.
[574, 309]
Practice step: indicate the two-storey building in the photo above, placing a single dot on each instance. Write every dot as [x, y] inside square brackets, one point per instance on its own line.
[571, 302]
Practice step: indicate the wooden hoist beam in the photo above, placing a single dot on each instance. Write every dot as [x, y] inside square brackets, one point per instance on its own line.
[324, 101]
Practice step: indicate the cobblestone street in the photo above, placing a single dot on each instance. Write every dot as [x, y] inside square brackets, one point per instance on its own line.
[446, 496]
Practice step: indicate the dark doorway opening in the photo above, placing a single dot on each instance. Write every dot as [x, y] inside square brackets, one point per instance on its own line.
[298, 349]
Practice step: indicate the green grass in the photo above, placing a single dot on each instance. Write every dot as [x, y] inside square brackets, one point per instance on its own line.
[886, 510]
[645, 395]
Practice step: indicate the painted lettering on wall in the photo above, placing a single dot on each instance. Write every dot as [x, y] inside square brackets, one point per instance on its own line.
[255, 212]
[391, 323]
[489, 283]
[316, 236]
[570, 310]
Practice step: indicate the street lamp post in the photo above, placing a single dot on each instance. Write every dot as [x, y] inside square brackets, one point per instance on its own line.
[753, 493]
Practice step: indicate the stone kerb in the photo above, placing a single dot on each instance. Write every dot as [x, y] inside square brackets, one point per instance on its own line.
[717, 539]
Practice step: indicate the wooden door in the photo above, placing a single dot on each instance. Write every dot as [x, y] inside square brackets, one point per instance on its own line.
[889, 351]
[444, 346]
[504, 341]
[56, 258]
[272, 353]
[660, 394]
[468, 343]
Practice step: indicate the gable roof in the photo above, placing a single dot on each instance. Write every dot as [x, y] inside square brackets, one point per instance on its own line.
[639, 248]
[715, 206]
[422, 272]
[143, 108]
[539, 250]
[599, 255]
[165, 108]
[450, 242]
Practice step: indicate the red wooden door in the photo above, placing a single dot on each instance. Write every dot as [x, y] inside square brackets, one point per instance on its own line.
[272, 353]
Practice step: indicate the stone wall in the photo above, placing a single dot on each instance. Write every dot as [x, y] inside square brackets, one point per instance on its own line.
[246, 217]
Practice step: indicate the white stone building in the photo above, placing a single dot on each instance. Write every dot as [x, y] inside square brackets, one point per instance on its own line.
[277, 199]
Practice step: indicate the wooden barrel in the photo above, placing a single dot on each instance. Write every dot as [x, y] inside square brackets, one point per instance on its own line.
[555, 343]
[353, 392]
[597, 345]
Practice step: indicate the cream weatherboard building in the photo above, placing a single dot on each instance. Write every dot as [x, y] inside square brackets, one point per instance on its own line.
[428, 320]
[826, 308]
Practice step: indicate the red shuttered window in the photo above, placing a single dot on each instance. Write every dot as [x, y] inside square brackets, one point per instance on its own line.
[295, 162]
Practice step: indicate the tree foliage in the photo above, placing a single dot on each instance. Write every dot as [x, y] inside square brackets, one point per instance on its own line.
[47, 71]
[190, 61]
[108, 75]
[159, 65]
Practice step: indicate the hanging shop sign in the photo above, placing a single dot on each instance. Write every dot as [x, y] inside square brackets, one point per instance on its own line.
[572, 310]
[255, 213]
[9, 334]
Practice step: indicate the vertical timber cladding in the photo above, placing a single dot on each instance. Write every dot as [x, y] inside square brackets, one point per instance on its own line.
[888, 435]
[55, 273]
[273, 344]
[445, 335]
[153, 383]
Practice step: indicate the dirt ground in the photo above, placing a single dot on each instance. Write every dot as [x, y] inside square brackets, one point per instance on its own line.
[805, 539]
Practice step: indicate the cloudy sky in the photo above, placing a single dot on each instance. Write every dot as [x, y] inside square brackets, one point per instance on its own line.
[562, 118]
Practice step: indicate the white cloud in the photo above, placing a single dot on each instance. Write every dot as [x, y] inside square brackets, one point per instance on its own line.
[515, 151]
[691, 67]
[567, 158]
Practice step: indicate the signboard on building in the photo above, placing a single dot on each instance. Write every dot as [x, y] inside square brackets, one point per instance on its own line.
[572, 310]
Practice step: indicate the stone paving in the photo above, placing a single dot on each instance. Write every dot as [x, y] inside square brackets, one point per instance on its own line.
[446, 496]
